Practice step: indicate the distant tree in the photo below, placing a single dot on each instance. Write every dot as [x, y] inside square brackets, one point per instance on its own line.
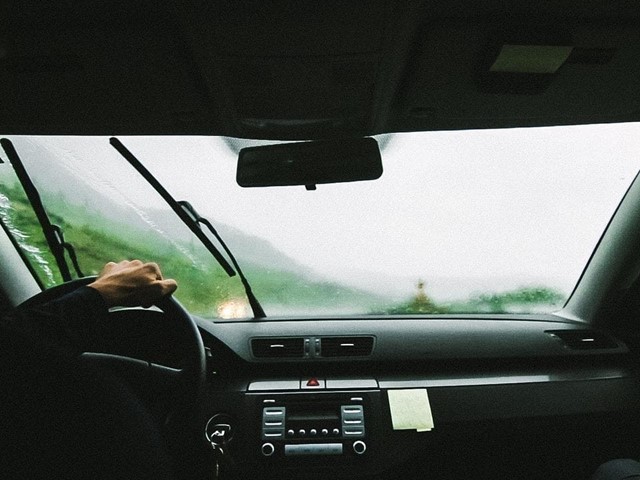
[420, 303]
[522, 299]
[499, 302]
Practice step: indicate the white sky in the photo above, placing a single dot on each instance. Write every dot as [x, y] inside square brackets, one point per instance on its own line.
[530, 203]
[525, 203]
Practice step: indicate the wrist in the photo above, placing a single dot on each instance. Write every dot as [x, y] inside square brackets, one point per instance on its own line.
[103, 294]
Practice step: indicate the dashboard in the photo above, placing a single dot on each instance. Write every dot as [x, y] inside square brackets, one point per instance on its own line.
[441, 398]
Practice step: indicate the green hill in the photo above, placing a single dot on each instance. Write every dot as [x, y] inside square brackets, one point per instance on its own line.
[203, 285]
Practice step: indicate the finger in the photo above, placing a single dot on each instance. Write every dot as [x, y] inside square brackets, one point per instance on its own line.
[160, 288]
[157, 290]
[154, 269]
[168, 286]
[107, 269]
[150, 269]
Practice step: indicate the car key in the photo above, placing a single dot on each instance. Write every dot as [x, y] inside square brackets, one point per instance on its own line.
[218, 453]
[218, 432]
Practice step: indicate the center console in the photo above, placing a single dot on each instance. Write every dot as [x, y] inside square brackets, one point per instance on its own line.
[315, 421]
[313, 424]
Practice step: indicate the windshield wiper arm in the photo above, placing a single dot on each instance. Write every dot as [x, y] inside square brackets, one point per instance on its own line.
[175, 206]
[258, 312]
[52, 233]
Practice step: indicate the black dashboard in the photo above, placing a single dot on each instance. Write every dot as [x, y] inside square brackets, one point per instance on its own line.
[518, 396]
[443, 398]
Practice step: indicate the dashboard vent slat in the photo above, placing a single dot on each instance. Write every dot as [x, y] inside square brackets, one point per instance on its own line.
[278, 347]
[346, 346]
[584, 339]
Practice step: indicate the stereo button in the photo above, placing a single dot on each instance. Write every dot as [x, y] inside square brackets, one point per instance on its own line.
[268, 449]
[351, 409]
[274, 411]
[313, 449]
[359, 447]
[273, 422]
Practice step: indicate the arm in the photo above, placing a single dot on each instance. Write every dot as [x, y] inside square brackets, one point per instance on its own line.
[73, 322]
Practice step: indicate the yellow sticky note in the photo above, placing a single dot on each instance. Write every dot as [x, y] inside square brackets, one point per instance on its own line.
[410, 409]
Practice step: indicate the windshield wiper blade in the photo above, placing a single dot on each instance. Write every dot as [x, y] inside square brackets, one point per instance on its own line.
[256, 308]
[52, 233]
[175, 206]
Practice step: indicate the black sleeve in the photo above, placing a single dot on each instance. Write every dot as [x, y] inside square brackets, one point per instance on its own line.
[70, 324]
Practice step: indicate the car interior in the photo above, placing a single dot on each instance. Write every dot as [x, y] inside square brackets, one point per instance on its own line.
[313, 98]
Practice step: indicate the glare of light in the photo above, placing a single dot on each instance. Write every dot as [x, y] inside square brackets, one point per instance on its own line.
[233, 309]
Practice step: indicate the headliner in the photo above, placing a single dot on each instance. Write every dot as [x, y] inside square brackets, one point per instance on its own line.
[296, 70]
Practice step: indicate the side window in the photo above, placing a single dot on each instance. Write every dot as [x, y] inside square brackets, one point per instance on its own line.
[21, 224]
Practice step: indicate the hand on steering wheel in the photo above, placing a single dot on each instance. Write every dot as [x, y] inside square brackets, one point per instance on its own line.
[134, 283]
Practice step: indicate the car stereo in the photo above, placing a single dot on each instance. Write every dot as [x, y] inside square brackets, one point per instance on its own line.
[313, 424]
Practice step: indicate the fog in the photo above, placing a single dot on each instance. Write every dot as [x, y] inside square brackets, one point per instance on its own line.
[463, 211]
[518, 206]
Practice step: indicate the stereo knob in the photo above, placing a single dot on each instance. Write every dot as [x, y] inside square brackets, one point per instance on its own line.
[268, 449]
[359, 447]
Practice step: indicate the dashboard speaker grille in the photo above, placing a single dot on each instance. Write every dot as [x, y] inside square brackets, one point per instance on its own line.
[278, 347]
[346, 346]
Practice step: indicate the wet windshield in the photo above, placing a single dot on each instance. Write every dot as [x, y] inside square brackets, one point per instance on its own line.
[459, 222]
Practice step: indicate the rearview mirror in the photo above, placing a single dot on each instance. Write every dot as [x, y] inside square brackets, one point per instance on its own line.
[309, 163]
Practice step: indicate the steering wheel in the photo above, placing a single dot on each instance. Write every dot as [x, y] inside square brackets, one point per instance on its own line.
[188, 380]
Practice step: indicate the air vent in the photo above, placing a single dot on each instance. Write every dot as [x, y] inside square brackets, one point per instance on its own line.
[346, 346]
[277, 347]
[584, 339]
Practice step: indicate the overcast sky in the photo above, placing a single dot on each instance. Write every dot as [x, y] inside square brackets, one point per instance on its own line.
[525, 203]
[529, 203]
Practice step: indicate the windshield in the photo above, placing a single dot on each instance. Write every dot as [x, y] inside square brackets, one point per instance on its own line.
[490, 221]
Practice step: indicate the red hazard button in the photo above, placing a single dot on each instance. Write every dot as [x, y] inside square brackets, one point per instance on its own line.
[312, 383]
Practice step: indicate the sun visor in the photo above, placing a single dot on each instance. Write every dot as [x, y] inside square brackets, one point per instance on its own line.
[544, 59]
[522, 60]
[472, 74]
